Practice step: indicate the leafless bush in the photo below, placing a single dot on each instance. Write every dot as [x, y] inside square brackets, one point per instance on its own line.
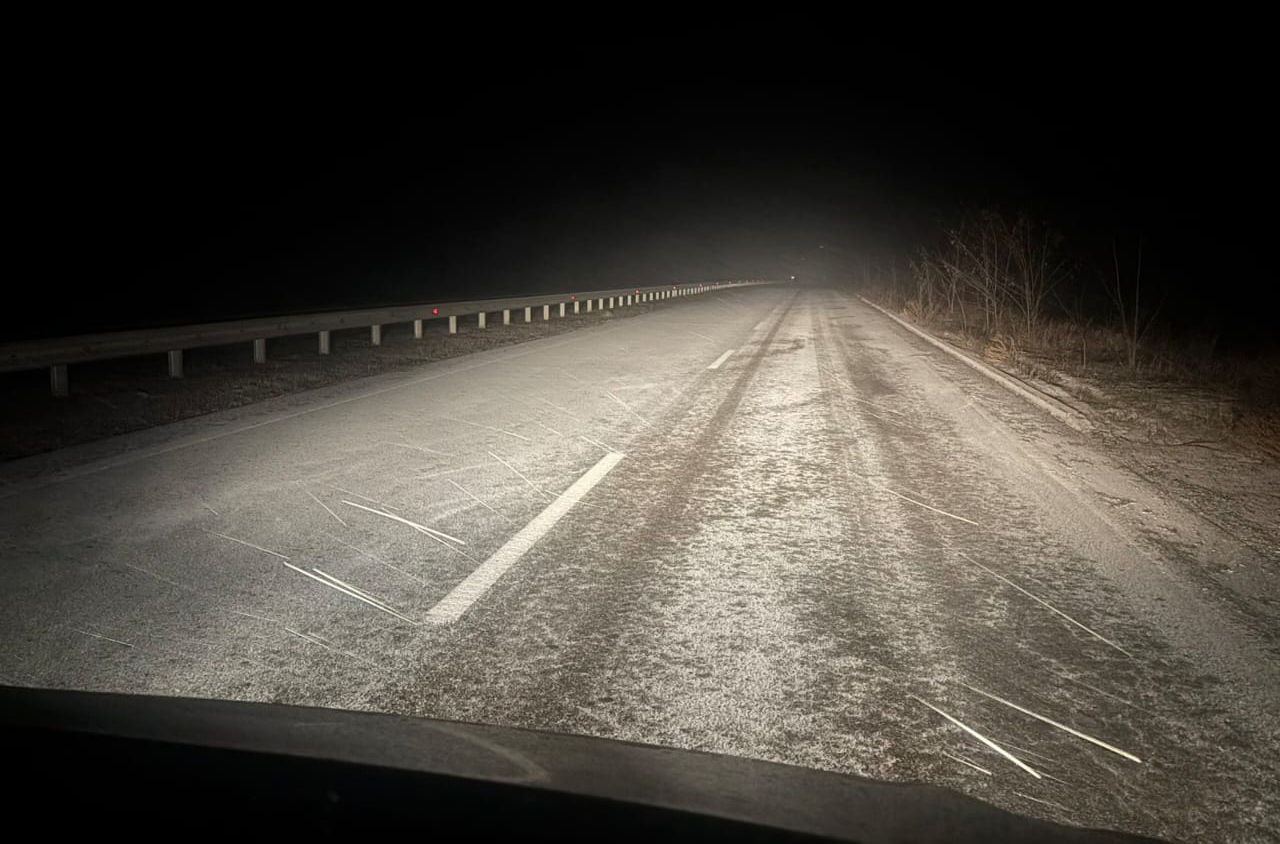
[994, 274]
[1134, 324]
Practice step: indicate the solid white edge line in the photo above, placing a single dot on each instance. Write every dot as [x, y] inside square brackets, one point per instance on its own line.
[475, 585]
[1063, 413]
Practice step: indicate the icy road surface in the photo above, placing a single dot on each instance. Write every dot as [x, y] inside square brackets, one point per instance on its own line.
[764, 522]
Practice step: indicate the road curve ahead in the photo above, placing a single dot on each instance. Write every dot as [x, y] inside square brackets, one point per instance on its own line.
[766, 522]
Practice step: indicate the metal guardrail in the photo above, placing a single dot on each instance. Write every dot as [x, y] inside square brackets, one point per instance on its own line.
[59, 352]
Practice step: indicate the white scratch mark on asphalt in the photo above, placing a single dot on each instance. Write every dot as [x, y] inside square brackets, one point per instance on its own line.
[469, 494]
[918, 503]
[876, 405]
[249, 544]
[377, 560]
[882, 419]
[326, 508]
[257, 617]
[720, 360]
[105, 638]
[850, 390]
[487, 428]
[374, 598]
[703, 336]
[597, 443]
[1038, 800]
[559, 408]
[531, 484]
[760, 325]
[365, 497]
[443, 472]
[1030, 752]
[627, 406]
[1096, 690]
[455, 549]
[652, 385]
[403, 520]
[348, 592]
[1047, 605]
[980, 737]
[173, 583]
[964, 761]
[547, 428]
[465, 594]
[368, 598]
[572, 376]
[210, 509]
[415, 448]
[315, 641]
[1053, 723]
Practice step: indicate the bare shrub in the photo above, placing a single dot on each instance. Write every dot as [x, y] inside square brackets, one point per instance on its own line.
[992, 274]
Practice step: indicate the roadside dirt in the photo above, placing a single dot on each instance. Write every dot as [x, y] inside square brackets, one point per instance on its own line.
[1214, 447]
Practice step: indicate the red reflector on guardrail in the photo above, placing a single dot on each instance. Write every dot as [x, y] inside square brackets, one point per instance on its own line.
[435, 311]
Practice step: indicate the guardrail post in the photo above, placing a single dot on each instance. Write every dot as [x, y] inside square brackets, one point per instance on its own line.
[576, 305]
[528, 314]
[610, 303]
[506, 316]
[588, 306]
[375, 335]
[260, 350]
[562, 309]
[480, 319]
[453, 324]
[175, 363]
[546, 313]
[600, 304]
[417, 329]
[324, 342]
[58, 380]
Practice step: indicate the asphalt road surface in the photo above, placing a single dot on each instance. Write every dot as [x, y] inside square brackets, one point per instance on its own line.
[765, 522]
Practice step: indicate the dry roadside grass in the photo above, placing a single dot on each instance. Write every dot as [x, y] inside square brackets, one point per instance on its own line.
[116, 397]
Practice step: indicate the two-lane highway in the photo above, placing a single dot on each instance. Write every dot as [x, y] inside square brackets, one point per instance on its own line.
[765, 522]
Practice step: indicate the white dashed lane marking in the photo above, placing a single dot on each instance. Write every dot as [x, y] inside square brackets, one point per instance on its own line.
[473, 588]
[720, 360]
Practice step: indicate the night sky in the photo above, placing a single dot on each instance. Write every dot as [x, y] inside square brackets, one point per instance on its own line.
[211, 174]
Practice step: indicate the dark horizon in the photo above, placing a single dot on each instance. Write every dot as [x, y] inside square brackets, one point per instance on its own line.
[186, 185]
